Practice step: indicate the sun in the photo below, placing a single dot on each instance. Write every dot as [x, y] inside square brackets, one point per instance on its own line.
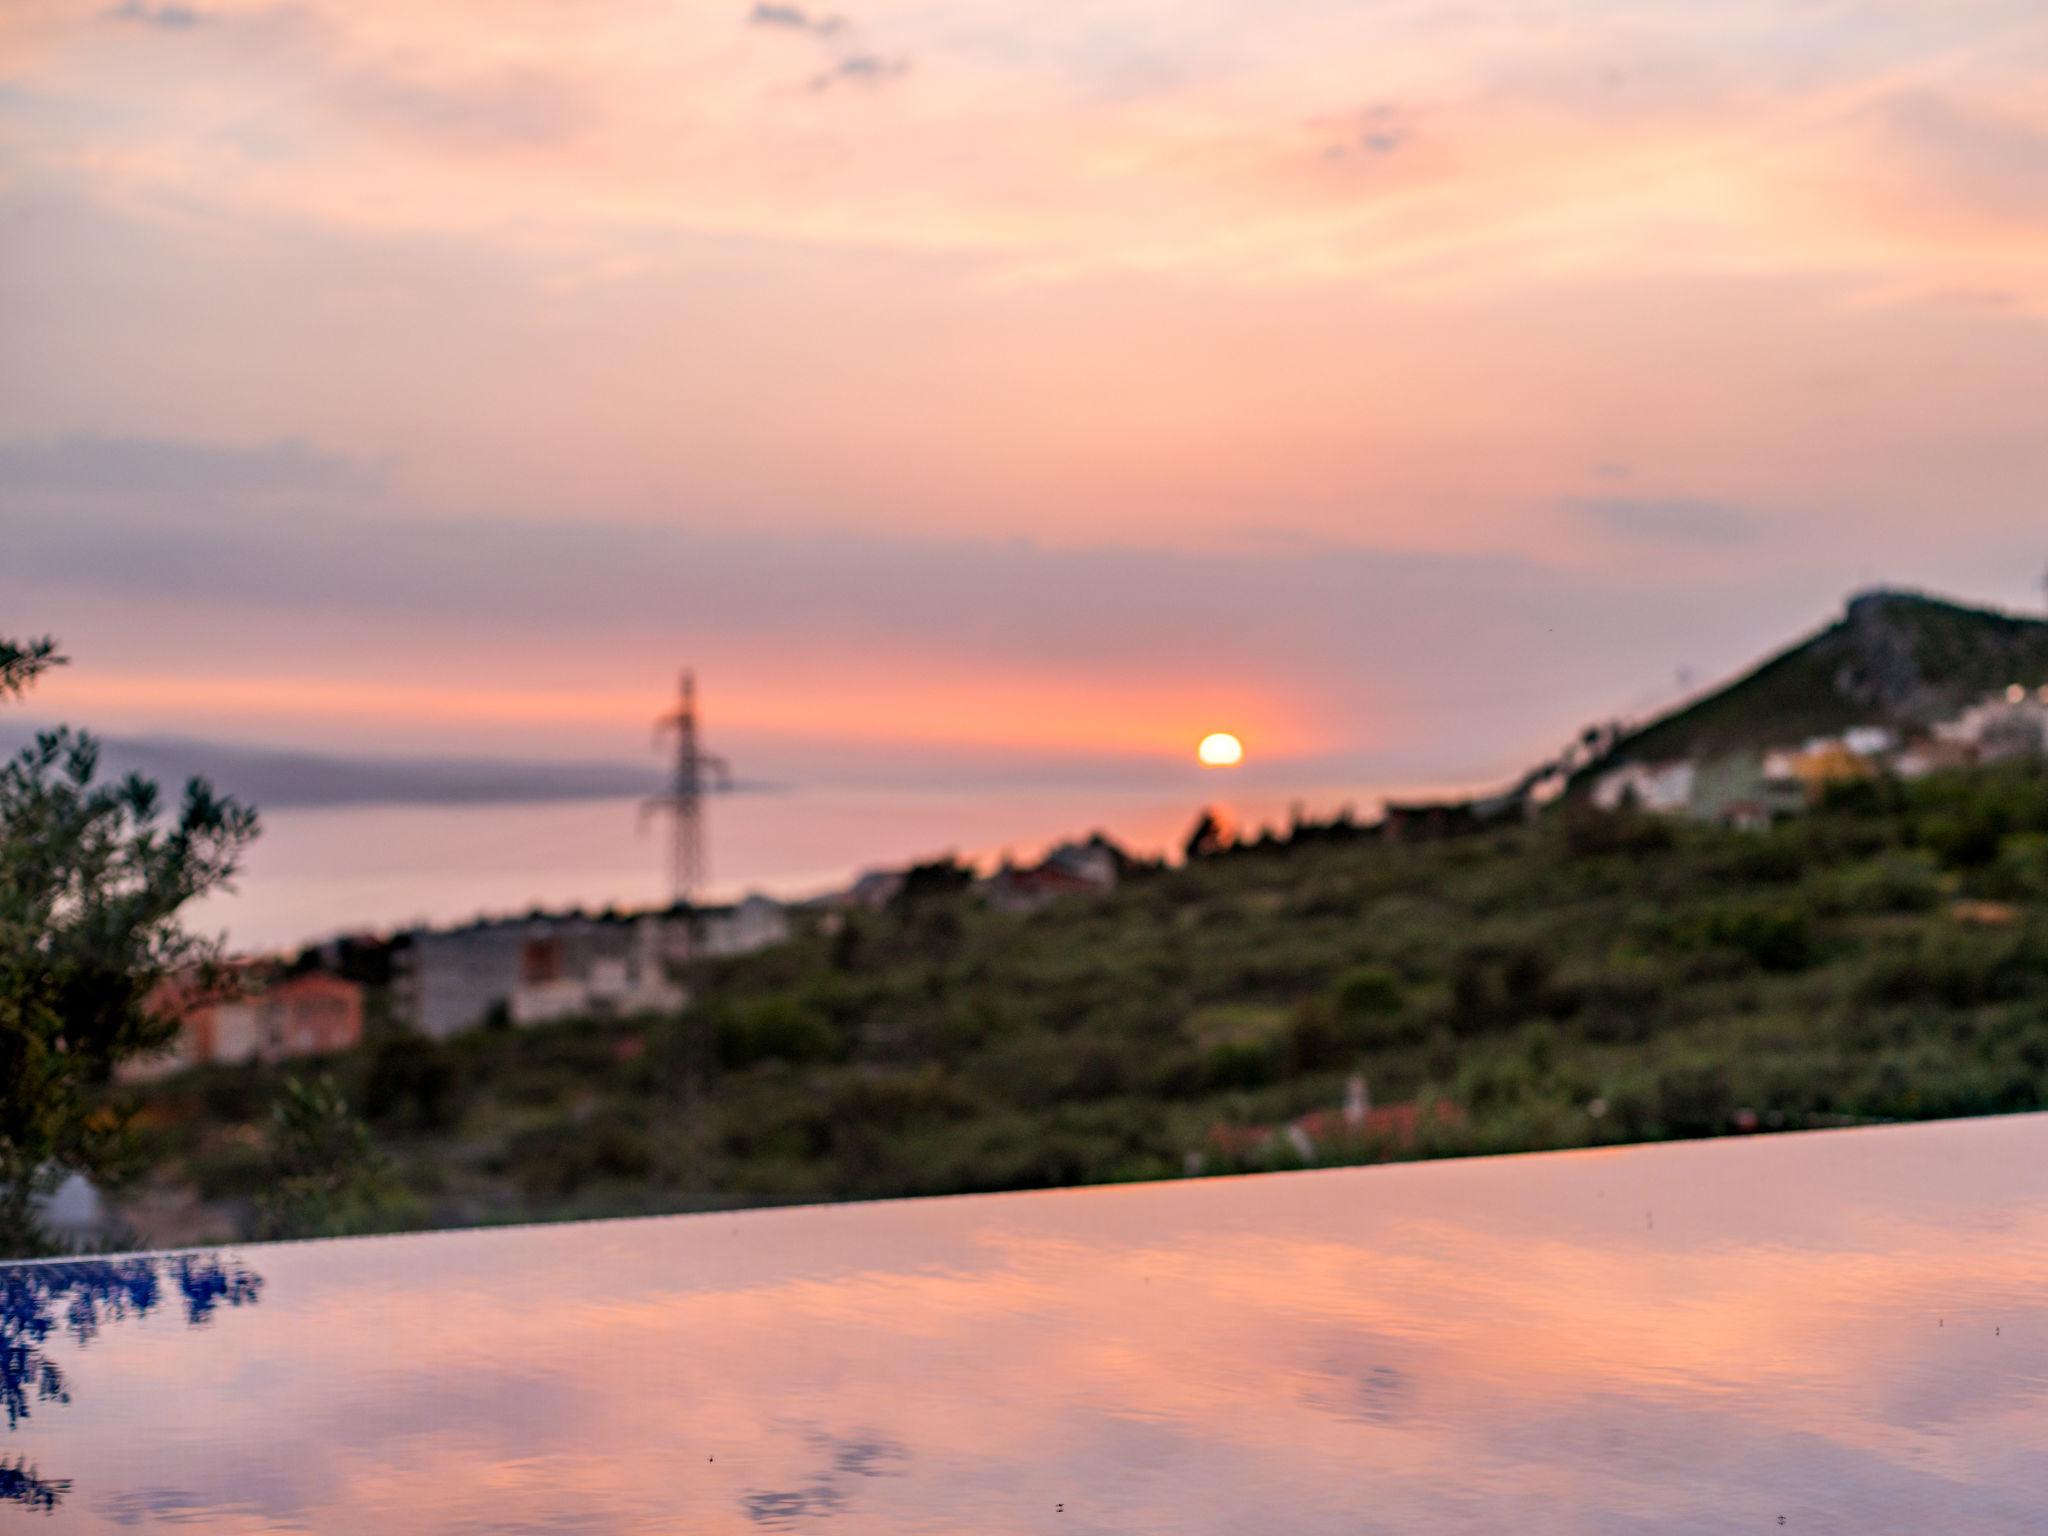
[1221, 750]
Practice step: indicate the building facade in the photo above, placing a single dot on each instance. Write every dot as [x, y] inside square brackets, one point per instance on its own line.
[253, 1017]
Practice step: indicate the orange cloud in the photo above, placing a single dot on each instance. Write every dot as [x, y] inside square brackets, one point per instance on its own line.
[1035, 714]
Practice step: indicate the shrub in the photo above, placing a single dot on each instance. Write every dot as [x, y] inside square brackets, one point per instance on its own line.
[1765, 858]
[561, 1157]
[1316, 1037]
[1491, 986]
[1615, 1000]
[1490, 1083]
[1590, 833]
[1954, 971]
[1694, 1099]
[1366, 993]
[326, 1177]
[410, 1080]
[1962, 839]
[891, 1101]
[1774, 938]
[2021, 870]
[780, 1028]
[1893, 882]
[1242, 1064]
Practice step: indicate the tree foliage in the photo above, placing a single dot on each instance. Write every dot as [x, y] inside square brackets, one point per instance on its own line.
[327, 1179]
[20, 661]
[92, 877]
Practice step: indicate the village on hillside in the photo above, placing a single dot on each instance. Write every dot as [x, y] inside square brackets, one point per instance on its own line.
[544, 967]
[1752, 788]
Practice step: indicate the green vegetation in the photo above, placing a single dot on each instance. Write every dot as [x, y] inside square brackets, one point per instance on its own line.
[326, 1178]
[92, 877]
[1582, 979]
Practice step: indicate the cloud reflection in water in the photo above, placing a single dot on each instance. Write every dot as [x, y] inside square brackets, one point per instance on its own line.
[1846, 1330]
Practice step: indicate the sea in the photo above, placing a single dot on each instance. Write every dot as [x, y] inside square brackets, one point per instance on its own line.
[315, 873]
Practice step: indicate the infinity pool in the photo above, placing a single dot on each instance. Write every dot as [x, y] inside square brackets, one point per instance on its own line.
[1840, 1332]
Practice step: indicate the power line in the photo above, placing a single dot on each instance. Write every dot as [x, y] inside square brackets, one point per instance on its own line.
[695, 772]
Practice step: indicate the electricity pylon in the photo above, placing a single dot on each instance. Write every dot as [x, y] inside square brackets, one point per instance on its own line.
[695, 772]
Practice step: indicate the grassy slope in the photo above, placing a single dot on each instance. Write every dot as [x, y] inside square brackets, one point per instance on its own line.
[1680, 975]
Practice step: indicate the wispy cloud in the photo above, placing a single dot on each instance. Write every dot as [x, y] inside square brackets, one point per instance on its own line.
[1680, 519]
[850, 65]
[519, 109]
[1376, 131]
[1516, 149]
[171, 17]
[1066, 644]
[173, 472]
[1988, 163]
[865, 69]
[795, 18]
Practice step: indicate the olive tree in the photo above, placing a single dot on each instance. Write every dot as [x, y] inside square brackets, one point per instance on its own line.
[92, 877]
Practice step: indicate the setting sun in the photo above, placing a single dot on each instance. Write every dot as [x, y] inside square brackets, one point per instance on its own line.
[1222, 750]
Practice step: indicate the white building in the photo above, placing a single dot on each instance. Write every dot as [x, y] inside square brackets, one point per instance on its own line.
[1870, 740]
[755, 923]
[609, 970]
[544, 968]
[1665, 788]
[2008, 725]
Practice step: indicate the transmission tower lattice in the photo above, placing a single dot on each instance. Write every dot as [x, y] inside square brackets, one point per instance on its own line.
[695, 772]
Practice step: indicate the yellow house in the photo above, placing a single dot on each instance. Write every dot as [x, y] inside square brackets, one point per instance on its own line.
[1829, 762]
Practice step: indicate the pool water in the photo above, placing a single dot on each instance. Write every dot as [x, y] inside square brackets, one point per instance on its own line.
[1836, 1332]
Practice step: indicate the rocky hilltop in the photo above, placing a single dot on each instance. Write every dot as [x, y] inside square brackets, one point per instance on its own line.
[1895, 658]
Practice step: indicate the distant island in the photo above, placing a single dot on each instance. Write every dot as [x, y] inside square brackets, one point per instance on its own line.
[280, 779]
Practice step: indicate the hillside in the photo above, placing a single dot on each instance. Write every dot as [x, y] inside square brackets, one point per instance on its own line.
[1579, 979]
[1899, 659]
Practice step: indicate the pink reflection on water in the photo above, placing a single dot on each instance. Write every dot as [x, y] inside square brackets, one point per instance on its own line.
[1842, 1329]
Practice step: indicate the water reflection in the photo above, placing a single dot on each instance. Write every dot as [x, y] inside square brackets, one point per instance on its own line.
[1845, 1331]
[852, 1456]
[19, 1484]
[82, 1297]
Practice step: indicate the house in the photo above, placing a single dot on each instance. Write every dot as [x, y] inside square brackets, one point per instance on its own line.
[1871, 740]
[1932, 756]
[1070, 869]
[1015, 889]
[582, 968]
[1097, 863]
[538, 969]
[2020, 732]
[2005, 726]
[452, 980]
[255, 1015]
[873, 891]
[544, 967]
[1665, 789]
[311, 1014]
[1829, 761]
[755, 923]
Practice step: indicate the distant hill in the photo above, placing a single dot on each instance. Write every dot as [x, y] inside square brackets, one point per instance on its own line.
[1900, 659]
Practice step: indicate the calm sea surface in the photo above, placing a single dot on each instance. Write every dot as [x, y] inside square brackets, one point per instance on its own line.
[318, 872]
[1836, 1333]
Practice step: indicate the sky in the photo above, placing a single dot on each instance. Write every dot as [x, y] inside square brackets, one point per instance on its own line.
[994, 387]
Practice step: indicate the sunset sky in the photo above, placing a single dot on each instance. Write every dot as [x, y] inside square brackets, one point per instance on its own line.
[1396, 384]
